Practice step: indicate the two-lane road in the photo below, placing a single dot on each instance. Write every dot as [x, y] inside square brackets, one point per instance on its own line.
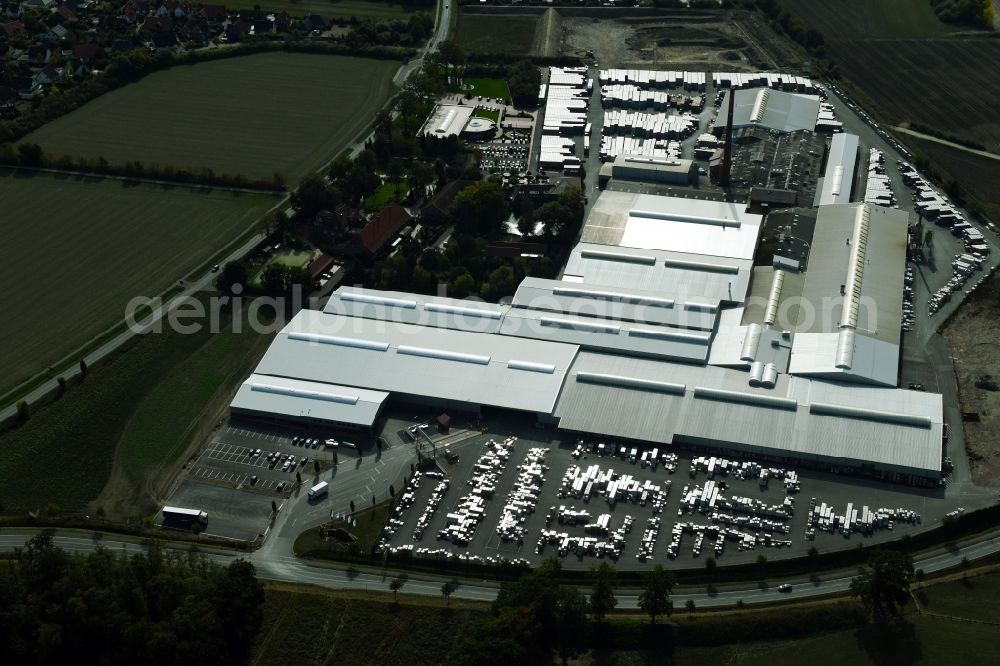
[284, 568]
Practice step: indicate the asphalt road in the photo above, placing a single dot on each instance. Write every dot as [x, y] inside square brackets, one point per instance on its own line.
[284, 568]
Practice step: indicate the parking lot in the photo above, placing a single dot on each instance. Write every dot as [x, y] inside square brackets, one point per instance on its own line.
[493, 488]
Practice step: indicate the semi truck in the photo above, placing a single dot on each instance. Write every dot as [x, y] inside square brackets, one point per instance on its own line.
[319, 490]
[180, 515]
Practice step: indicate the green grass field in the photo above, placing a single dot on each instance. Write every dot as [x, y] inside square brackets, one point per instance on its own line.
[489, 114]
[367, 529]
[513, 35]
[271, 112]
[384, 195]
[169, 417]
[338, 630]
[75, 251]
[489, 87]
[148, 397]
[373, 9]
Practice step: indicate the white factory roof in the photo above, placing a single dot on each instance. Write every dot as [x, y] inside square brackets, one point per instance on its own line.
[435, 311]
[611, 302]
[451, 365]
[263, 394]
[446, 120]
[683, 277]
[676, 224]
[771, 109]
[838, 177]
[663, 402]
[872, 361]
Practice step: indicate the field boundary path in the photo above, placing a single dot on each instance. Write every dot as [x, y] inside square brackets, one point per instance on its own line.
[945, 142]
[140, 179]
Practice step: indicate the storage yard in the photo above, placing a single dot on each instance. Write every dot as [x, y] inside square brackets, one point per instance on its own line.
[524, 498]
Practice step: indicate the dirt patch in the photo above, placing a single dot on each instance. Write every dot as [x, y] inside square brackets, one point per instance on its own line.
[548, 35]
[976, 349]
[699, 44]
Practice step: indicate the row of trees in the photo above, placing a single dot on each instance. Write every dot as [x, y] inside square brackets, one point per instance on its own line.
[412, 32]
[536, 617]
[792, 26]
[32, 155]
[160, 607]
[976, 13]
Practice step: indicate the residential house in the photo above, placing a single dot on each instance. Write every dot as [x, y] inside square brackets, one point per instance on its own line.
[11, 10]
[381, 228]
[437, 207]
[313, 25]
[43, 5]
[120, 46]
[12, 28]
[56, 33]
[282, 22]
[65, 15]
[162, 41]
[214, 14]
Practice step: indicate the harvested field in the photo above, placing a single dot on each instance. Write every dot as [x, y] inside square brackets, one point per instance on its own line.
[950, 85]
[853, 20]
[979, 176]
[256, 115]
[362, 9]
[512, 34]
[976, 349]
[77, 250]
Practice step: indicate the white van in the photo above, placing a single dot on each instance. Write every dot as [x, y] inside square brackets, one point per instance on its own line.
[319, 490]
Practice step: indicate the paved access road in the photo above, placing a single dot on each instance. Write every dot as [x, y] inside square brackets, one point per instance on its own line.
[273, 566]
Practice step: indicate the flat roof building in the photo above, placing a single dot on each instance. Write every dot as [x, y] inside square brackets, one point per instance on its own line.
[769, 109]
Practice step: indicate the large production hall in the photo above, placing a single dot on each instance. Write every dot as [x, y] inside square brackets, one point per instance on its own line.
[667, 327]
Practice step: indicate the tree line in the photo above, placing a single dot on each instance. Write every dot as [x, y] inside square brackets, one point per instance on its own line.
[157, 607]
[33, 156]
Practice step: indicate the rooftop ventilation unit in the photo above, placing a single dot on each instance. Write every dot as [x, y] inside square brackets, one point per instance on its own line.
[531, 367]
[378, 300]
[845, 349]
[577, 325]
[770, 377]
[774, 298]
[617, 256]
[756, 373]
[880, 416]
[855, 267]
[751, 399]
[679, 336]
[681, 217]
[613, 296]
[302, 393]
[619, 381]
[443, 355]
[371, 345]
[759, 105]
[465, 312]
[704, 266]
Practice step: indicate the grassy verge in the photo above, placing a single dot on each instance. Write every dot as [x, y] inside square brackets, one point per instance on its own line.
[366, 530]
[487, 113]
[164, 424]
[512, 35]
[343, 630]
[64, 454]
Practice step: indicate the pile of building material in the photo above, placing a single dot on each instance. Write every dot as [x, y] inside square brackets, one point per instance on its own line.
[613, 146]
[744, 470]
[648, 125]
[566, 97]
[632, 97]
[523, 499]
[395, 522]
[878, 188]
[764, 79]
[718, 535]
[647, 78]
[709, 498]
[584, 484]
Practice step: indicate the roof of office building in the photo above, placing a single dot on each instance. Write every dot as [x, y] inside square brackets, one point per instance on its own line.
[446, 120]
[305, 399]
